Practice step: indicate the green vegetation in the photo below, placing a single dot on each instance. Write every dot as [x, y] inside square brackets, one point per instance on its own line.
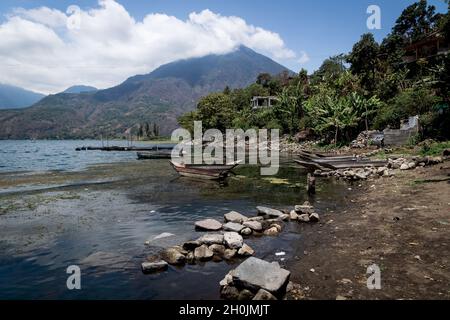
[435, 148]
[374, 86]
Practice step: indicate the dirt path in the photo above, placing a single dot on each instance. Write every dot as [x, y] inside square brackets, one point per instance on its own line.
[402, 224]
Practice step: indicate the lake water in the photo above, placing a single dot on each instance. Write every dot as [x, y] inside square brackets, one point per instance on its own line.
[44, 155]
[99, 208]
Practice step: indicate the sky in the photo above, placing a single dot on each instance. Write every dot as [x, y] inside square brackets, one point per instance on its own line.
[49, 45]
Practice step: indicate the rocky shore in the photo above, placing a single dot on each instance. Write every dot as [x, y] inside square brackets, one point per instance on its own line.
[254, 278]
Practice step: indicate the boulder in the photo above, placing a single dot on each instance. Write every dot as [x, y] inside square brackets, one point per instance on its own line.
[303, 217]
[246, 231]
[173, 256]
[255, 274]
[229, 293]
[254, 225]
[273, 213]
[272, 232]
[229, 254]
[411, 165]
[246, 251]
[277, 226]
[232, 226]
[208, 225]
[314, 217]
[304, 208]
[263, 295]
[284, 217]
[150, 267]
[258, 218]
[233, 240]
[293, 215]
[228, 280]
[190, 258]
[404, 166]
[191, 245]
[217, 249]
[245, 295]
[211, 238]
[235, 217]
[203, 253]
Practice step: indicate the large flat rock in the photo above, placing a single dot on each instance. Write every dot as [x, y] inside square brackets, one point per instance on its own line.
[231, 226]
[255, 274]
[208, 225]
[269, 212]
[233, 240]
[235, 217]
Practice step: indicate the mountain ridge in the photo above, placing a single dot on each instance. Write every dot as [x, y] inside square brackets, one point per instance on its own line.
[13, 97]
[159, 97]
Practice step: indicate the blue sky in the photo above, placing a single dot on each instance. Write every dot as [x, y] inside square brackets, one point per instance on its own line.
[319, 28]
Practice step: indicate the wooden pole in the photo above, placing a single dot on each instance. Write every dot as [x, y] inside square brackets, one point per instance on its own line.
[310, 184]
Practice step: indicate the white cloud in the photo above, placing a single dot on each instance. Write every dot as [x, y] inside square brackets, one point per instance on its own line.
[40, 50]
[304, 58]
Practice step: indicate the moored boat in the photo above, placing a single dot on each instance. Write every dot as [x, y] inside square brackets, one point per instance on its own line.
[154, 155]
[203, 171]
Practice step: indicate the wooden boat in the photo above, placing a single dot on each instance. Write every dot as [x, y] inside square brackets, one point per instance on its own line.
[311, 164]
[154, 155]
[209, 172]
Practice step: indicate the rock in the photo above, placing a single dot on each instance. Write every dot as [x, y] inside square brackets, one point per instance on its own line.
[314, 217]
[173, 256]
[212, 238]
[271, 232]
[246, 251]
[284, 217]
[191, 245]
[254, 274]
[381, 170]
[303, 209]
[208, 225]
[254, 225]
[263, 211]
[263, 295]
[411, 165]
[235, 217]
[229, 254]
[150, 267]
[190, 258]
[228, 280]
[229, 293]
[404, 166]
[245, 295]
[259, 218]
[246, 231]
[233, 240]
[277, 226]
[217, 249]
[203, 253]
[303, 217]
[232, 226]
[293, 215]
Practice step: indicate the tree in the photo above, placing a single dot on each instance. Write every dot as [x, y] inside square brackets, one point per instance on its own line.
[363, 60]
[331, 112]
[365, 107]
[216, 111]
[263, 79]
[416, 21]
[330, 68]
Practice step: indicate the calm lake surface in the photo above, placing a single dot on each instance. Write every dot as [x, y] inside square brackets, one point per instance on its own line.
[97, 209]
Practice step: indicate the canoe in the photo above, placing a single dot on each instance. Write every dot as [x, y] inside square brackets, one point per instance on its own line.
[209, 172]
[340, 165]
[154, 155]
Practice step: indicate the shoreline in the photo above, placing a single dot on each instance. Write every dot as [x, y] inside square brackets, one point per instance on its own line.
[401, 223]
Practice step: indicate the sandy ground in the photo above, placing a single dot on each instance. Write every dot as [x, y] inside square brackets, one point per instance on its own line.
[402, 224]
